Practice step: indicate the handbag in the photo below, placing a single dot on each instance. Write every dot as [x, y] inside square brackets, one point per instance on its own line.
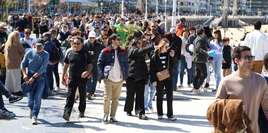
[164, 74]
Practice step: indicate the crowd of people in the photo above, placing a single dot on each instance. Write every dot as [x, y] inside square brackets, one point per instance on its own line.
[141, 53]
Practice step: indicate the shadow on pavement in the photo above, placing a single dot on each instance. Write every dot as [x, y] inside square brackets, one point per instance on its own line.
[71, 124]
[200, 121]
[150, 127]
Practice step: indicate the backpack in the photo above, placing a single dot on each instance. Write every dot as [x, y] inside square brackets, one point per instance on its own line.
[55, 55]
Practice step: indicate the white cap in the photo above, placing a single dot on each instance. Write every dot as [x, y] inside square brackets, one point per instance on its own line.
[92, 34]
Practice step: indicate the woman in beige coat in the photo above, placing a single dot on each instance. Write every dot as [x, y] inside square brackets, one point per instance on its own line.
[13, 52]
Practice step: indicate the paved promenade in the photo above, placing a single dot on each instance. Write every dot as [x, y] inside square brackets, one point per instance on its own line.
[189, 109]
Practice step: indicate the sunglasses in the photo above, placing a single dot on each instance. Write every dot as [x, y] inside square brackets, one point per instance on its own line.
[27, 33]
[76, 43]
[249, 57]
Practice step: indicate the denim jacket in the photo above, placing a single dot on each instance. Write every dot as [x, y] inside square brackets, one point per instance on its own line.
[106, 61]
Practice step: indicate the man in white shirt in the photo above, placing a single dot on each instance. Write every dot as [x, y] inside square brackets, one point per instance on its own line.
[113, 69]
[257, 41]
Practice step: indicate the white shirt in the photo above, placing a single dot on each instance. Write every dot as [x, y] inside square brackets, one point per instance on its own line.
[29, 41]
[257, 41]
[115, 73]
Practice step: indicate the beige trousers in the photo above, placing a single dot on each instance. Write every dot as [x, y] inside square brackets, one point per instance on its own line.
[112, 91]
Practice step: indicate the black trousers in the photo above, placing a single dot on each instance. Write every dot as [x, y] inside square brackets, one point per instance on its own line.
[72, 86]
[56, 74]
[200, 74]
[165, 85]
[135, 88]
[3, 91]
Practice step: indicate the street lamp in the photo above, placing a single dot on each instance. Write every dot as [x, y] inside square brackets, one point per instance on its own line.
[101, 7]
[156, 7]
[165, 15]
[146, 10]
[122, 10]
[29, 6]
[174, 13]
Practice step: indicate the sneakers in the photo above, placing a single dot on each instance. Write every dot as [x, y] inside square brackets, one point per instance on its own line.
[105, 118]
[5, 114]
[89, 97]
[172, 118]
[81, 114]
[34, 121]
[179, 87]
[20, 93]
[206, 85]
[143, 117]
[129, 114]
[13, 99]
[160, 117]
[66, 117]
[113, 120]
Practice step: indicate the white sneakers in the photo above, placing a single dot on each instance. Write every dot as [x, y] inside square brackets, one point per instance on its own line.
[34, 120]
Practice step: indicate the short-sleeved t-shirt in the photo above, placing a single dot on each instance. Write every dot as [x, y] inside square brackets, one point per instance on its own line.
[78, 62]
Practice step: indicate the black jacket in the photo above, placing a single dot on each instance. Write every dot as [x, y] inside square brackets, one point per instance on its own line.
[156, 66]
[176, 45]
[136, 60]
[200, 50]
[94, 52]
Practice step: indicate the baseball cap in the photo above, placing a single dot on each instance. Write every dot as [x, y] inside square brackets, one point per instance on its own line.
[92, 34]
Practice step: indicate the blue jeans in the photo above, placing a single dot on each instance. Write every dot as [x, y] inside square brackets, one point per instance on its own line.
[35, 95]
[217, 66]
[92, 83]
[183, 66]
[149, 94]
[176, 71]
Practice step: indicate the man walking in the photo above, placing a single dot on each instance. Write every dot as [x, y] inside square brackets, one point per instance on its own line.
[35, 62]
[113, 68]
[258, 42]
[200, 58]
[79, 64]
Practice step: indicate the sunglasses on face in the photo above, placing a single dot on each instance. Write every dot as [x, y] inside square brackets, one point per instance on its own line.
[27, 33]
[76, 43]
[248, 57]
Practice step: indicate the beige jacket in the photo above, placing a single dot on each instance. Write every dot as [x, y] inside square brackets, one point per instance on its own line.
[13, 56]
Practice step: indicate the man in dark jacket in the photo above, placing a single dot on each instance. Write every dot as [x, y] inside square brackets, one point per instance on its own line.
[50, 47]
[113, 68]
[137, 76]
[94, 48]
[200, 58]
[176, 46]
